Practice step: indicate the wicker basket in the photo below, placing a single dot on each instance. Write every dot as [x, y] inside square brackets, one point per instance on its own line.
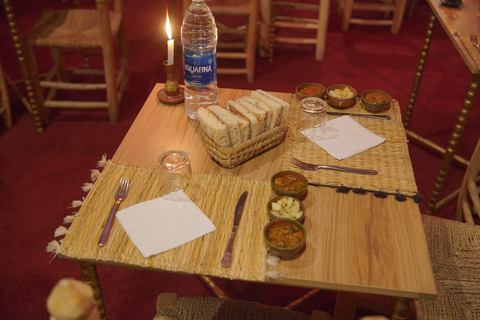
[232, 157]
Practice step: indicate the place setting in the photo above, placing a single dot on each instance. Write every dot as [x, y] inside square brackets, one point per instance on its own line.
[336, 127]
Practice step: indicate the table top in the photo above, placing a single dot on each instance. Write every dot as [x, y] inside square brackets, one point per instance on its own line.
[459, 23]
[355, 242]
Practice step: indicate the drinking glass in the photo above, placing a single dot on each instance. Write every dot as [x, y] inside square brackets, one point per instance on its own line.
[312, 116]
[175, 170]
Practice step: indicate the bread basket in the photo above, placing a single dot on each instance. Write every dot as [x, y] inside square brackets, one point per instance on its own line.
[232, 157]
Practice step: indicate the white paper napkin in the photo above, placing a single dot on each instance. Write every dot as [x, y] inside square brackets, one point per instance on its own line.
[344, 137]
[164, 223]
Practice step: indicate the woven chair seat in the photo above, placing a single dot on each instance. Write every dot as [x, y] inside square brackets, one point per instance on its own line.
[76, 28]
[207, 308]
[455, 254]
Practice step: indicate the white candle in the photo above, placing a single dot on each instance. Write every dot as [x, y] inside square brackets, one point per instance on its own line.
[170, 42]
[170, 51]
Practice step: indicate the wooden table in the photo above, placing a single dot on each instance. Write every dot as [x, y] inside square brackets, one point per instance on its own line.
[459, 23]
[356, 243]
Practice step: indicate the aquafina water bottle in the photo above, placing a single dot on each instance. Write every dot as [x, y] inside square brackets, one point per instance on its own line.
[199, 40]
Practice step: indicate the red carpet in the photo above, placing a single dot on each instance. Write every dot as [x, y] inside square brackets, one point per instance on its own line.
[41, 173]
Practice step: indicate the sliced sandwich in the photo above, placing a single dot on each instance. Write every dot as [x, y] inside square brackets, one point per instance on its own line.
[213, 127]
[265, 111]
[243, 112]
[278, 104]
[238, 128]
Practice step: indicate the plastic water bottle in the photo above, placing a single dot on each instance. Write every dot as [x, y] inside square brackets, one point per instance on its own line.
[199, 40]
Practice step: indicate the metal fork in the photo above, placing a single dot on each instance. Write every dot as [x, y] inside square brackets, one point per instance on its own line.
[474, 42]
[120, 195]
[311, 166]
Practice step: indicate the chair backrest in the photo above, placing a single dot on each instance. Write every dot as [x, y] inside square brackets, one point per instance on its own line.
[297, 15]
[169, 306]
[468, 197]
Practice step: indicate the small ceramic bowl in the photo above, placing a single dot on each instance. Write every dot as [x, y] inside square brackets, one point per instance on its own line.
[289, 183]
[286, 203]
[336, 96]
[309, 90]
[376, 100]
[284, 238]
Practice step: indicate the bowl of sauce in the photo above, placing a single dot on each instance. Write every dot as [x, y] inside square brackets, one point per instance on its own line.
[309, 90]
[289, 183]
[284, 238]
[375, 100]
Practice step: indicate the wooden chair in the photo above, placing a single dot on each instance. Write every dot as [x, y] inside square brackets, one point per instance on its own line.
[294, 15]
[86, 32]
[5, 108]
[454, 248]
[237, 25]
[389, 13]
[468, 197]
[169, 306]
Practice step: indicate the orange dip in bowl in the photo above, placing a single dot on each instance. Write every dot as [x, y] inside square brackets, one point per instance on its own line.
[289, 183]
[285, 235]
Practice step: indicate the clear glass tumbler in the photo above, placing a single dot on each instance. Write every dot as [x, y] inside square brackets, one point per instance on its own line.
[312, 116]
[176, 170]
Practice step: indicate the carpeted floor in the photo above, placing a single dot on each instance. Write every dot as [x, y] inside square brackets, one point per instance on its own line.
[42, 173]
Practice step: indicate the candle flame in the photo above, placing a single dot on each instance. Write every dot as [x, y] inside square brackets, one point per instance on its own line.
[169, 29]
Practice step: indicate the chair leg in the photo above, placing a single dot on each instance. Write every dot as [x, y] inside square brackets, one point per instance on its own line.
[5, 108]
[124, 58]
[398, 16]
[59, 64]
[109, 65]
[271, 38]
[322, 29]
[347, 15]
[108, 54]
[252, 40]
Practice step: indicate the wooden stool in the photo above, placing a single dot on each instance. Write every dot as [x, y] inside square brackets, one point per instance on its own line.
[393, 13]
[75, 31]
[281, 19]
[238, 41]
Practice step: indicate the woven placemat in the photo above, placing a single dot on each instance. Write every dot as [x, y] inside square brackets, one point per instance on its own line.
[391, 158]
[215, 195]
[470, 48]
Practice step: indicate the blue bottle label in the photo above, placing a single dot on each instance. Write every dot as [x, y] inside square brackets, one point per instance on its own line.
[200, 70]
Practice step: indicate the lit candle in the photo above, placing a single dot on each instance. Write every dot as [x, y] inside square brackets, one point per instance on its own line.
[169, 42]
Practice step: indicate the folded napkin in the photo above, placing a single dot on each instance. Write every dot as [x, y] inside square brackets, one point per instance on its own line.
[343, 137]
[164, 223]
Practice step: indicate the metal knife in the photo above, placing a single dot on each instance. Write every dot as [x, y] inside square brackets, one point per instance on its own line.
[376, 116]
[227, 256]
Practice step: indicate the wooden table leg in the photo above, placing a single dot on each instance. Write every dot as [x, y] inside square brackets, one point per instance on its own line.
[452, 144]
[401, 309]
[89, 275]
[345, 306]
[449, 152]
[418, 75]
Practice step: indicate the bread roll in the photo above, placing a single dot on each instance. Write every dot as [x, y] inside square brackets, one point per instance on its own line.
[238, 109]
[213, 127]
